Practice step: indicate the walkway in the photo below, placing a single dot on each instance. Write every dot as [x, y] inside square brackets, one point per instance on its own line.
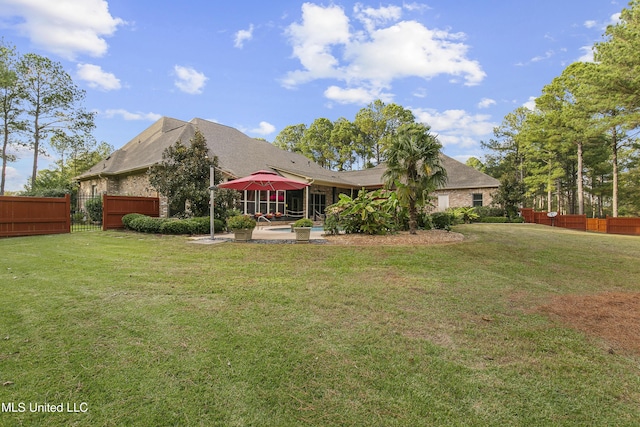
[262, 234]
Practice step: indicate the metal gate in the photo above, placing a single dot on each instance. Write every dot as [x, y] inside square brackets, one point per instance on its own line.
[86, 213]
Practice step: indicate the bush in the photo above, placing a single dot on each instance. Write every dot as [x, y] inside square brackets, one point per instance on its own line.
[303, 222]
[200, 225]
[442, 220]
[495, 219]
[177, 226]
[126, 220]
[464, 214]
[241, 222]
[484, 211]
[147, 224]
[94, 208]
[370, 213]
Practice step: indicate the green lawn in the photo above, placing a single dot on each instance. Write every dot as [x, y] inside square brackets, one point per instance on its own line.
[155, 331]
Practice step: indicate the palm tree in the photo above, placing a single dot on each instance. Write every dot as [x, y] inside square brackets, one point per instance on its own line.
[414, 168]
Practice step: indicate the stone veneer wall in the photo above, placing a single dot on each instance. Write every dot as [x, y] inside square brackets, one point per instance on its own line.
[464, 198]
[131, 185]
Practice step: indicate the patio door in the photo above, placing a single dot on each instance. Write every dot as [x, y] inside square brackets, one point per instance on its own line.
[318, 204]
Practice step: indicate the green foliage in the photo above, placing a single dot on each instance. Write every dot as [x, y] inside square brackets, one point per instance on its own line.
[183, 176]
[466, 215]
[414, 168]
[53, 107]
[495, 219]
[177, 226]
[484, 211]
[241, 222]
[147, 224]
[303, 222]
[443, 220]
[94, 208]
[369, 213]
[128, 218]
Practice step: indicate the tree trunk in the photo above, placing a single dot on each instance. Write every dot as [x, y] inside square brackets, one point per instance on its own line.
[413, 217]
[36, 148]
[580, 184]
[614, 160]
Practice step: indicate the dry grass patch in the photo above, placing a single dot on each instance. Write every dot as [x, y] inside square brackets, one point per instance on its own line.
[612, 316]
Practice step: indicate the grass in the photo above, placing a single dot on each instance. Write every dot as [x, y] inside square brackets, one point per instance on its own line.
[153, 331]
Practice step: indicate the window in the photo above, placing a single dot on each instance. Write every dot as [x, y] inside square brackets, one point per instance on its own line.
[477, 199]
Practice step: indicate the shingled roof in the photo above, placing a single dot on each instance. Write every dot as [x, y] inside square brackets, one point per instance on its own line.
[239, 155]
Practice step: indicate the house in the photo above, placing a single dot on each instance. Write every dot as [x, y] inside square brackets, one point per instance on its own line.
[124, 172]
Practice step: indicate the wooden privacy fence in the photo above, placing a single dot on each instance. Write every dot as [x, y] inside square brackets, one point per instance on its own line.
[619, 225]
[30, 216]
[115, 207]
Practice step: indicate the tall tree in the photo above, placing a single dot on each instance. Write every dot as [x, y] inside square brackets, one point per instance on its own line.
[290, 138]
[619, 83]
[378, 123]
[567, 104]
[53, 103]
[183, 176]
[11, 98]
[344, 137]
[317, 142]
[619, 64]
[414, 168]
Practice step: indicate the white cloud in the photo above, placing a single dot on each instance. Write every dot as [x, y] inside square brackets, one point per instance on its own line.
[369, 60]
[486, 103]
[97, 78]
[456, 127]
[189, 80]
[312, 40]
[613, 20]
[265, 128]
[64, 27]
[243, 36]
[127, 115]
[587, 54]
[531, 103]
[372, 18]
[358, 95]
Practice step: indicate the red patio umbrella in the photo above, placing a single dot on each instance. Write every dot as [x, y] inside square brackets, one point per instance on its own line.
[264, 181]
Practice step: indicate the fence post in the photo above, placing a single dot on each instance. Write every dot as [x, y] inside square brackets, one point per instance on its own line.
[67, 201]
[104, 211]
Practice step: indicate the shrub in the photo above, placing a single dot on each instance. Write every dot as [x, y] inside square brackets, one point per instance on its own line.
[442, 220]
[303, 222]
[177, 226]
[126, 220]
[495, 219]
[147, 224]
[484, 211]
[241, 222]
[465, 214]
[94, 208]
[200, 225]
[370, 212]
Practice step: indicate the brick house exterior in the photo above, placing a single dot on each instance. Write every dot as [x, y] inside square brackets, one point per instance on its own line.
[125, 171]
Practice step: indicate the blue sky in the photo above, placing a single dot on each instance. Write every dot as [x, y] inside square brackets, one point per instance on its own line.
[259, 66]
